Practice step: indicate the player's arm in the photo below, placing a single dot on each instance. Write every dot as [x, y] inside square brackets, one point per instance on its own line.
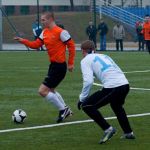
[72, 52]
[88, 80]
[32, 44]
[66, 38]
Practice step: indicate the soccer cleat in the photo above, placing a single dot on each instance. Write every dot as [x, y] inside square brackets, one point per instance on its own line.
[63, 114]
[128, 136]
[107, 135]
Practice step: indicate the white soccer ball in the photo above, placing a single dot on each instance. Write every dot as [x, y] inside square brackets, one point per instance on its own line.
[19, 116]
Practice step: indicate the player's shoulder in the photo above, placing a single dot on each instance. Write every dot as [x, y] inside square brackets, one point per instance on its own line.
[88, 59]
[58, 29]
[45, 31]
[55, 29]
[61, 30]
[90, 56]
[64, 35]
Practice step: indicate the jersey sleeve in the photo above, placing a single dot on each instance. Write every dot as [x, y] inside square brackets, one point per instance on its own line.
[65, 36]
[32, 44]
[88, 80]
[72, 52]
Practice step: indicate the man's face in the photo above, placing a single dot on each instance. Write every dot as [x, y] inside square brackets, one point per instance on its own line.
[90, 23]
[45, 21]
[118, 24]
[84, 53]
[147, 19]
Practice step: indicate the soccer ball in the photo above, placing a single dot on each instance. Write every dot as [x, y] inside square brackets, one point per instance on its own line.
[19, 116]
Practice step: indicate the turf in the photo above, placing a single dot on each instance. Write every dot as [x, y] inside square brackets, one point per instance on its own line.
[20, 75]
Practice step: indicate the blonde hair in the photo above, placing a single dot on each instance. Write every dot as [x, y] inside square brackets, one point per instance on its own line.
[49, 15]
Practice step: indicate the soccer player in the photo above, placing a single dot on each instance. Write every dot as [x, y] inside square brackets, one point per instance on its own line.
[114, 92]
[146, 32]
[56, 40]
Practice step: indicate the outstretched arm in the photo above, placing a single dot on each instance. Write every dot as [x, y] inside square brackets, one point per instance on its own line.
[32, 44]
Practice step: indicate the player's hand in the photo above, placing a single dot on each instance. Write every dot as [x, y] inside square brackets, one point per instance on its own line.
[70, 68]
[19, 39]
[79, 104]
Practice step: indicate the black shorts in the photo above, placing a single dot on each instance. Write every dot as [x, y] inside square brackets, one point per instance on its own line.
[113, 96]
[56, 74]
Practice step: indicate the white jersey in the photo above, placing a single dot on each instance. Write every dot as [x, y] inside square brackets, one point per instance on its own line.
[104, 69]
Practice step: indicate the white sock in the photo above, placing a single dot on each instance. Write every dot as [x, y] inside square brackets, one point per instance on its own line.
[60, 98]
[53, 98]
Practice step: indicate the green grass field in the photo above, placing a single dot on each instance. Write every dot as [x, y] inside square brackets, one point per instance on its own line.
[20, 75]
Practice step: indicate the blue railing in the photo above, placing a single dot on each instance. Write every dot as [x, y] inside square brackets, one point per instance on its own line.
[124, 15]
[129, 16]
[139, 11]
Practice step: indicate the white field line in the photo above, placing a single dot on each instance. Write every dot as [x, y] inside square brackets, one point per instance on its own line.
[67, 123]
[139, 71]
[132, 88]
[45, 68]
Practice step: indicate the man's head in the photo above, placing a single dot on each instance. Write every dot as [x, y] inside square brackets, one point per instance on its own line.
[90, 23]
[140, 23]
[118, 24]
[47, 19]
[87, 47]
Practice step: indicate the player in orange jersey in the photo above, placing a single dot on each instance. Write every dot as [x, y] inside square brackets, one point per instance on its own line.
[146, 32]
[55, 40]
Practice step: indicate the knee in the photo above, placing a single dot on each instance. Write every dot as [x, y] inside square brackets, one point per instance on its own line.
[42, 92]
[87, 108]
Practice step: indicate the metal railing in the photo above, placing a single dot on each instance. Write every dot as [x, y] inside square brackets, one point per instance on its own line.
[118, 13]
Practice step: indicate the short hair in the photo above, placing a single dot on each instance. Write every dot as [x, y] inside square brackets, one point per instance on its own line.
[88, 46]
[49, 15]
[147, 15]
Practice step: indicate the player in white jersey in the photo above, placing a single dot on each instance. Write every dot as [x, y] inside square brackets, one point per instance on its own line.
[114, 92]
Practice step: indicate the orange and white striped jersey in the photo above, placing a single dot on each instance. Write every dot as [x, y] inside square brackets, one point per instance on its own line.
[56, 40]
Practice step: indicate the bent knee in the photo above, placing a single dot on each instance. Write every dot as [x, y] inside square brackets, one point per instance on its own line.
[86, 107]
[43, 92]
